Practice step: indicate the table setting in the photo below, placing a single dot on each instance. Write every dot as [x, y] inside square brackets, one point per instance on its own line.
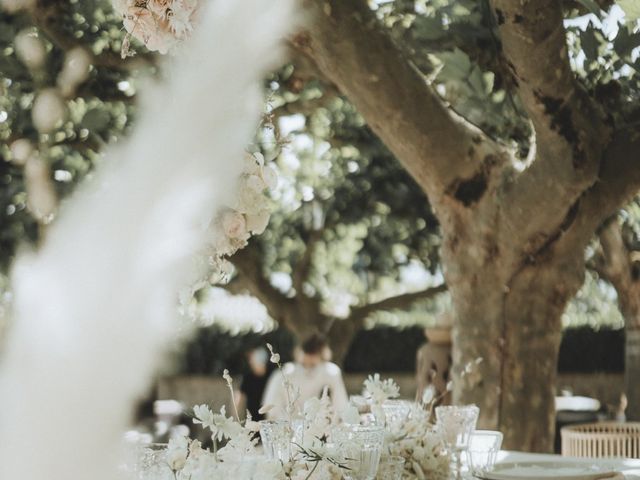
[377, 437]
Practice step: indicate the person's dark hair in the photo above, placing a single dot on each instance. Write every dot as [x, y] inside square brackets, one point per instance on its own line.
[314, 345]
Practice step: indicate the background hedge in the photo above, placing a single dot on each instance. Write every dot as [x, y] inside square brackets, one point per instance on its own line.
[387, 349]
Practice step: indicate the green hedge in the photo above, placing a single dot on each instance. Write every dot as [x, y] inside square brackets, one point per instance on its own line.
[386, 349]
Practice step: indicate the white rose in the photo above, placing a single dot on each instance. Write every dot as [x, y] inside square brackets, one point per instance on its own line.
[257, 223]
[270, 177]
[234, 225]
[255, 183]
[159, 7]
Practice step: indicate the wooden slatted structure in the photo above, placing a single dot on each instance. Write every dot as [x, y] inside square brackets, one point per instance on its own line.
[601, 440]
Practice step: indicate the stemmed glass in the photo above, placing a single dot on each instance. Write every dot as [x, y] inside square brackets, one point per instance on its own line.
[361, 446]
[455, 424]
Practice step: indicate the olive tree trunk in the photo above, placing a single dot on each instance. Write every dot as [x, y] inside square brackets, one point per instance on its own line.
[615, 263]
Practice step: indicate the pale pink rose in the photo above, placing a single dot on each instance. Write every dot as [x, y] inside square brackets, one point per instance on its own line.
[250, 165]
[234, 225]
[159, 7]
[150, 29]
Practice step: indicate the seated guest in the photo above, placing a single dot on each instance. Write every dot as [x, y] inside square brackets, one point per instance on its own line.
[311, 375]
[255, 381]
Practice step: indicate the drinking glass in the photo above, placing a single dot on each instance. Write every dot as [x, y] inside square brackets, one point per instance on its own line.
[361, 447]
[152, 462]
[396, 412]
[279, 438]
[455, 424]
[390, 468]
[482, 453]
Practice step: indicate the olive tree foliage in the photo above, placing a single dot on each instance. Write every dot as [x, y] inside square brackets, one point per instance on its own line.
[348, 222]
[94, 115]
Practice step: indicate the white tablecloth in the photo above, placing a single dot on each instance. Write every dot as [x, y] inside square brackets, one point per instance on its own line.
[630, 467]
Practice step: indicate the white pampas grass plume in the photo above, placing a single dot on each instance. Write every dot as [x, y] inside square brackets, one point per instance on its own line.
[96, 305]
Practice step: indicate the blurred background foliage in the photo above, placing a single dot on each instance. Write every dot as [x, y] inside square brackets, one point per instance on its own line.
[377, 234]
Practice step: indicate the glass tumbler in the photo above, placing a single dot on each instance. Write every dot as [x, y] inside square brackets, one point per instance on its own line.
[396, 413]
[390, 468]
[153, 462]
[361, 448]
[279, 438]
[482, 453]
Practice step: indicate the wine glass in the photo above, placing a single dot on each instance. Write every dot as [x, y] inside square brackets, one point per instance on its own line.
[455, 424]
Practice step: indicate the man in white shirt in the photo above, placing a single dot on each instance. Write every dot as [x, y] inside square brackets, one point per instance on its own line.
[310, 376]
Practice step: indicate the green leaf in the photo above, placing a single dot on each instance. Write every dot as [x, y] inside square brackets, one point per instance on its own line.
[589, 44]
[96, 120]
[591, 5]
[427, 28]
[631, 9]
[625, 42]
[456, 65]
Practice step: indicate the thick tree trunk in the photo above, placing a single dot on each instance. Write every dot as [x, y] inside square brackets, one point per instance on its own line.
[616, 266]
[512, 322]
[632, 373]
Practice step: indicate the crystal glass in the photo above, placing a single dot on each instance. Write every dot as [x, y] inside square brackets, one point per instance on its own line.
[455, 424]
[152, 462]
[390, 468]
[482, 453]
[361, 447]
[396, 412]
[279, 438]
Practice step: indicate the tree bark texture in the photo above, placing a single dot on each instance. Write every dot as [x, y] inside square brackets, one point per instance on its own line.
[617, 265]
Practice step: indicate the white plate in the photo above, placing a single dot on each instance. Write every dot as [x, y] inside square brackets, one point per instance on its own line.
[542, 470]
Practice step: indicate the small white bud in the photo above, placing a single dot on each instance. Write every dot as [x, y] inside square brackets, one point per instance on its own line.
[48, 110]
[30, 49]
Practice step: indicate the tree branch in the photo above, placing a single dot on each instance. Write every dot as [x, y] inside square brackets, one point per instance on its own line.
[394, 303]
[437, 147]
[249, 269]
[571, 129]
[618, 182]
[302, 268]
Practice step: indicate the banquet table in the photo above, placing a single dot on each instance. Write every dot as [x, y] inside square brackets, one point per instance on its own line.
[629, 467]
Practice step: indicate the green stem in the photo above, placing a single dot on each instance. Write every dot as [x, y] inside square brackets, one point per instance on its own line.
[315, 465]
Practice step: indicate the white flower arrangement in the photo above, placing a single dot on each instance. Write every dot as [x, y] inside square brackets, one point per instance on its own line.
[318, 456]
